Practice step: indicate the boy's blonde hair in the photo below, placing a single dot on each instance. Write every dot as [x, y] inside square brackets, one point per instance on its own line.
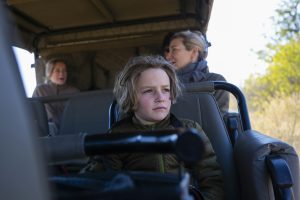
[125, 84]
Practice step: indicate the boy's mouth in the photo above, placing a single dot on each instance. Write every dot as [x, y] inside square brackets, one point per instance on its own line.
[160, 108]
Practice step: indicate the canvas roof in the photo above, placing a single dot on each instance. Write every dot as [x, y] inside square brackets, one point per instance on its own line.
[46, 26]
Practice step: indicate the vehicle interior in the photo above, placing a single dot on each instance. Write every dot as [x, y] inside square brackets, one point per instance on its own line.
[96, 38]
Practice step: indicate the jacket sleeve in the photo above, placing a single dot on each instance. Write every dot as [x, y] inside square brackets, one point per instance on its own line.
[207, 171]
[103, 163]
[221, 96]
[36, 92]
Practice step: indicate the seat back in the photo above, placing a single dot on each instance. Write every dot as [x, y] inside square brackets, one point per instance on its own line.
[202, 107]
[40, 117]
[87, 112]
[253, 152]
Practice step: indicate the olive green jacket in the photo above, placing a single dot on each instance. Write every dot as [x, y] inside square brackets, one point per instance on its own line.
[207, 171]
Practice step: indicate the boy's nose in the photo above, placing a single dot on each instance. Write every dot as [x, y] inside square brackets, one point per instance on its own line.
[159, 96]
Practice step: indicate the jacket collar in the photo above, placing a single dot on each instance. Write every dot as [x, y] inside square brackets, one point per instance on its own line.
[196, 66]
[193, 72]
[159, 125]
[169, 122]
[59, 87]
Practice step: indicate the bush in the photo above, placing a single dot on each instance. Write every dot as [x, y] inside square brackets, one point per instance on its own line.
[280, 119]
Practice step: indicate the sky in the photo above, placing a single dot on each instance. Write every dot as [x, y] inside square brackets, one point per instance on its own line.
[25, 59]
[236, 31]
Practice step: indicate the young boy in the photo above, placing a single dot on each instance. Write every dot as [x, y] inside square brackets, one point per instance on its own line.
[145, 90]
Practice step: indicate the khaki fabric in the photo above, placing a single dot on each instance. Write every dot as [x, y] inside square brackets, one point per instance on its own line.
[55, 109]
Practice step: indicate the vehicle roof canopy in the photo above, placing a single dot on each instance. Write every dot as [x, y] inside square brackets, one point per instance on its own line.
[97, 37]
[68, 25]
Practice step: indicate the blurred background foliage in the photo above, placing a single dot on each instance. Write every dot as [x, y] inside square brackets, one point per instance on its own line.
[274, 97]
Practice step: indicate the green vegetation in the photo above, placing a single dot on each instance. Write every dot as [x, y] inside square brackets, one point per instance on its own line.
[282, 77]
[280, 119]
[273, 98]
[287, 20]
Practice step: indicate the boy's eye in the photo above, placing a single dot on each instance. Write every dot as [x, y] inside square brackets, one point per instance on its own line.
[166, 89]
[147, 91]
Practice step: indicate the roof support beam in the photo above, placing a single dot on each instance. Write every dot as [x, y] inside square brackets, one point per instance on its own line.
[103, 9]
[14, 2]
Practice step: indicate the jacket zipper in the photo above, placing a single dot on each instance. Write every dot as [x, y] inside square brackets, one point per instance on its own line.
[161, 163]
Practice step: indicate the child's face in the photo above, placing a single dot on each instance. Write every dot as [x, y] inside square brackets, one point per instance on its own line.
[59, 74]
[153, 95]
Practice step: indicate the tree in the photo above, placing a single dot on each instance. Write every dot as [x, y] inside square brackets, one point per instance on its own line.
[284, 71]
[281, 79]
[287, 20]
[273, 98]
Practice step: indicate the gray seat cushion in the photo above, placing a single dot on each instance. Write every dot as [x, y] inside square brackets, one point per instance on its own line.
[87, 112]
[250, 152]
[202, 108]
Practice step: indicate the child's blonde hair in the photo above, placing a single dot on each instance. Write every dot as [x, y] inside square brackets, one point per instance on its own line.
[125, 84]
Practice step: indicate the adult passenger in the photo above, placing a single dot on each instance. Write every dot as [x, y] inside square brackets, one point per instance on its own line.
[55, 84]
[187, 51]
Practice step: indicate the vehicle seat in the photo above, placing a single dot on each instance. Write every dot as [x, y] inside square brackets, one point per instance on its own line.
[253, 151]
[87, 112]
[40, 117]
[199, 104]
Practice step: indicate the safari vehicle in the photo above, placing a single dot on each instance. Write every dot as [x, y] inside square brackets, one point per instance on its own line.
[97, 37]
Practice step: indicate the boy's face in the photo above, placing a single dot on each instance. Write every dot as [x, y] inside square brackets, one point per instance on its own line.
[153, 96]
